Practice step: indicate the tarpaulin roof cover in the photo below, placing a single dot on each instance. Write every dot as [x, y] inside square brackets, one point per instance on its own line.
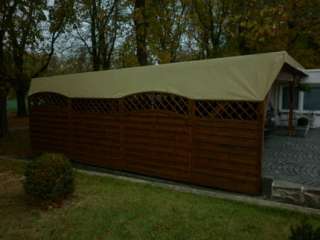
[247, 78]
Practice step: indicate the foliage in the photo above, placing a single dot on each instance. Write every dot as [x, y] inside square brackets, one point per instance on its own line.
[256, 26]
[124, 33]
[98, 25]
[126, 54]
[168, 22]
[49, 178]
[209, 21]
[29, 30]
[304, 231]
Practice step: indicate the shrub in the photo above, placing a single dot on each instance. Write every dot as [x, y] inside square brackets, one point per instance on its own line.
[304, 231]
[49, 178]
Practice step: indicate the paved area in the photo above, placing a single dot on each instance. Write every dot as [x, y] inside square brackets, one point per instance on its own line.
[293, 159]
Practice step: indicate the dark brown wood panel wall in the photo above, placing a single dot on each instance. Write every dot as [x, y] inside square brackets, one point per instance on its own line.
[157, 144]
[220, 146]
[226, 154]
[95, 139]
[48, 129]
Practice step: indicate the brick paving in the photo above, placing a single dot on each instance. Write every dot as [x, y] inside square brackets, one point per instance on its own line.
[293, 159]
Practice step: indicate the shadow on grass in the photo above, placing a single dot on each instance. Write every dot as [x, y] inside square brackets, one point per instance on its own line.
[16, 143]
[17, 218]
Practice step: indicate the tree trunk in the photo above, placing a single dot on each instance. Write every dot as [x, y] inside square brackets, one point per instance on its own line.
[3, 115]
[21, 103]
[141, 31]
[95, 57]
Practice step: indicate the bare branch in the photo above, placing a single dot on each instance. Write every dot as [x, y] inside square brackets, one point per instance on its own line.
[83, 40]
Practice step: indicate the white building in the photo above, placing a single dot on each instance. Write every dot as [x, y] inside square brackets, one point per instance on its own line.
[306, 103]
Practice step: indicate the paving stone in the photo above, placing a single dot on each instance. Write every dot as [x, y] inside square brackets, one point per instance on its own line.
[293, 159]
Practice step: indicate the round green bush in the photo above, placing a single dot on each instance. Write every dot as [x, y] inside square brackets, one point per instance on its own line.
[49, 177]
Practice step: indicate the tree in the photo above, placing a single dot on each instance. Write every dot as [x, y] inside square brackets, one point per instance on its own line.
[98, 27]
[256, 26]
[26, 39]
[209, 18]
[168, 22]
[126, 53]
[301, 32]
[140, 18]
[78, 61]
[5, 14]
[263, 26]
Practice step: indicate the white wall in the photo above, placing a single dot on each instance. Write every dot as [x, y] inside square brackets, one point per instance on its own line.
[281, 115]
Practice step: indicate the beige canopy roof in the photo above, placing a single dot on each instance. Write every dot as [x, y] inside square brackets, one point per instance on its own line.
[232, 78]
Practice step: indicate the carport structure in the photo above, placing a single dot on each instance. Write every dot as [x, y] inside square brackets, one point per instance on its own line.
[200, 122]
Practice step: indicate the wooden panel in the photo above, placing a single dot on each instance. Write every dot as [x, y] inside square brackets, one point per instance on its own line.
[95, 138]
[156, 145]
[49, 125]
[227, 156]
[157, 135]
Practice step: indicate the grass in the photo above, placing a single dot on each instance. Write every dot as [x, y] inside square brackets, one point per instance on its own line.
[107, 208]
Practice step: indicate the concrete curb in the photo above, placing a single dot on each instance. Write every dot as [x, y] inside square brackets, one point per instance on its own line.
[258, 201]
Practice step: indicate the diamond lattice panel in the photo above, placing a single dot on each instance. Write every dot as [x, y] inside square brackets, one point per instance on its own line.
[156, 101]
[226, 110]
[95, 105]
[48, 99]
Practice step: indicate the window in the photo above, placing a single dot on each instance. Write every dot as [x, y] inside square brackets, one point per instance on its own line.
[285, 98]
[312, 99]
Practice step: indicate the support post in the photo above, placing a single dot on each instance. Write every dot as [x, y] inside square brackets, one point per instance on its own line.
[261, 111]
[69, 151]
[190, 117]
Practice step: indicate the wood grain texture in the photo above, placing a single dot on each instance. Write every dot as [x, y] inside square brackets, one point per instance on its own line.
[187, 144]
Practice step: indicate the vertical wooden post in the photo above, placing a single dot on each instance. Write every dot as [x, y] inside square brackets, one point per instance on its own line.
[121, 112]
[191, 108]
[261, 123]
[290, 105]
[69, 151]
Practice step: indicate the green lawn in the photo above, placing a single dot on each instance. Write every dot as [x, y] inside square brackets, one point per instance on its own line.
[105, 208]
